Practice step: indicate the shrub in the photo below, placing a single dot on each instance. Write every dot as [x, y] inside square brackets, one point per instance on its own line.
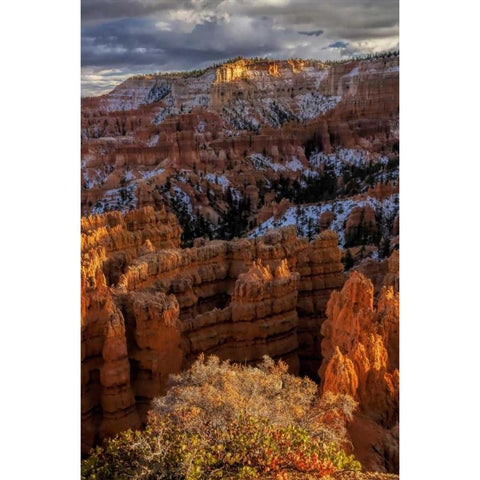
[232, 422]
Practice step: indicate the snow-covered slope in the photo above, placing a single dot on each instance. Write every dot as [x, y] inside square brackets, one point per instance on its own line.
[305, 217]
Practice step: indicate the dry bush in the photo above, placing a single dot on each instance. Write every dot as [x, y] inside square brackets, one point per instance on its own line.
[214, 393]
[221, 420]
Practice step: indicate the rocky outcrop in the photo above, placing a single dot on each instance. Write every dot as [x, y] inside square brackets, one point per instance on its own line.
[392, 277]
[321, 272]
[360, 352]
[162, 306]
[361, 226]
[155, 344]
[109, 242]
[264, 319]
[360, 347]
[384, 273]
[325, 220]
[115, 240]
[107, 401]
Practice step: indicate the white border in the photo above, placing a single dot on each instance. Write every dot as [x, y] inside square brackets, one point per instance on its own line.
[40, 206]
[40, 355]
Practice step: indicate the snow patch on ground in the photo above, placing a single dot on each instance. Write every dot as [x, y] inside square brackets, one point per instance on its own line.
[240, 116]
[157, 92]
[305, 217]
[152, 141]
[87, 183]
[183, 176]
[312, 104]
[122, 199]
[129, 176]
[164, 112]
[319, 75]
[236, 195]
[123, 99]
[202, 100]
[151, 173]
[346, 157]
[353, 73]
[396, 68]
[218, 179]
[183, 198]
[262, 162]
[245, 115]
[310, 173]
[97, 180]
[294, 165]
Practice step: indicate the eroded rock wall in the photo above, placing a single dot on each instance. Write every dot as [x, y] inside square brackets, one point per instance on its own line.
[360, 351]
[162, 306]
[152, 127]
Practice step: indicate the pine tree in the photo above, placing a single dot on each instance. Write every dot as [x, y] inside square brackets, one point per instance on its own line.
[347, 260]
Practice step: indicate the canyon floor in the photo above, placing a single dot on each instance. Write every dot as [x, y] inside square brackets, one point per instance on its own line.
[249, 209]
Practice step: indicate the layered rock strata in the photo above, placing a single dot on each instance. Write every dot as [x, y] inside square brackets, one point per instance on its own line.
[149, 308]
[153, 127]
[108, 243]
[361, 225]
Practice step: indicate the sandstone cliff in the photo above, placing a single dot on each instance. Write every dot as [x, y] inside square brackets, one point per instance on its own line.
[109, 242]
[361, 358]
[162, 306]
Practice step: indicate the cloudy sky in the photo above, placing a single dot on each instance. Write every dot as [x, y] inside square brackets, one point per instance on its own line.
[121, 38]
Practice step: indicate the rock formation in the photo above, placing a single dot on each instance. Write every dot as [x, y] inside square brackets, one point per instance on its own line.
[238, 150]
[361, 226]
[325, 219]
[360, 349]
[383, 273]
[194, 141]
[109, 242]
[320, 274]
[150, 308]
[360, 346]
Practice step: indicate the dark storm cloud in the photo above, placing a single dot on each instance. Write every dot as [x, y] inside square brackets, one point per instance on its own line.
[139, 42]
[116, 9]
[131, 36]
[316, 33]
[338, 45]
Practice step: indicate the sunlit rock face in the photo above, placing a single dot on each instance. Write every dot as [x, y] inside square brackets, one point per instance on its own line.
[361, 358]
[150, 308]
[360, 346]
[109, 243]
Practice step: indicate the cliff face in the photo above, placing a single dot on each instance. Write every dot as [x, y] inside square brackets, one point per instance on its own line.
[361, 357]
[108, 244]
[162, 306]
[360, 347]
[196, 142]
[107, 403]
[320, 274]
[385, 273]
